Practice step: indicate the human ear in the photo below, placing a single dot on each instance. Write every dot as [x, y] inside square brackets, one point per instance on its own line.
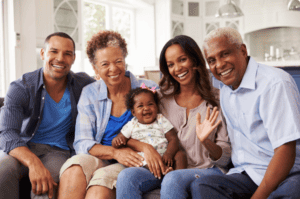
[244, 50]
[42, 52]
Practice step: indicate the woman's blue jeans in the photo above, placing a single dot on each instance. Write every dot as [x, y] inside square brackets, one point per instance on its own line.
[135, 181]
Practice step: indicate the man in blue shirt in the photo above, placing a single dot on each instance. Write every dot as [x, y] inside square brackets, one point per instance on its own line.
[37, 121]
[261, 107]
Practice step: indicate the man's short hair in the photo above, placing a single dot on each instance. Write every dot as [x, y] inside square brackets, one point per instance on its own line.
[233, 36]
[60, 34]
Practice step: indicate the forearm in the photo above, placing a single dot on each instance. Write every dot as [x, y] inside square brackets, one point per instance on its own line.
[278, 169]
[214, 150]
[25, 156]
[103, 152]
[137, 145]
[173, 147]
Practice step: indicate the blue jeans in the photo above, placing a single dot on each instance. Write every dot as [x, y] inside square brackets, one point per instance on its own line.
[176, 184]
[241, 186]
[135, 181]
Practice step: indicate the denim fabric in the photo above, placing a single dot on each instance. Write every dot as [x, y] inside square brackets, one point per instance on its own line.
[176, 184]
[234, 186]
[133, 182]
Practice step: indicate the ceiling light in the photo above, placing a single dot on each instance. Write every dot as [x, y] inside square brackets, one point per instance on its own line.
[294, 5]
[229, 10]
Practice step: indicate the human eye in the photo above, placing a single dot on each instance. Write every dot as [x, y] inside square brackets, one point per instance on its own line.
[170, 65]
[183, 59]
[226, 53]
[210, 61]
[104, 65]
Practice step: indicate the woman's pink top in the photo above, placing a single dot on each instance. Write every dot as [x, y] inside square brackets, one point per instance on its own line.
[197, 154]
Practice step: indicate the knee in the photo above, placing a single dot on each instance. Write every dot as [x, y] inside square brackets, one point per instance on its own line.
[171, 179]
[127, 175]
[9, 165]
[204, 180]
[72, 171]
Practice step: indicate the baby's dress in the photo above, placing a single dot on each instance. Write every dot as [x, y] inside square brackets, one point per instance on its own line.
[153, 133]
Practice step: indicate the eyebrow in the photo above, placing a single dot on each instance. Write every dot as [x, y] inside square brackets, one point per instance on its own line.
[68, 51]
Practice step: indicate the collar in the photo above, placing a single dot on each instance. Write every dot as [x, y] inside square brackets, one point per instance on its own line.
[70, 77]
[248, 80]
[103, 88]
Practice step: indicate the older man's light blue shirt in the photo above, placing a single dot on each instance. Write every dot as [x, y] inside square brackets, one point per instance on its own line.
[262, 114]
[94, 109]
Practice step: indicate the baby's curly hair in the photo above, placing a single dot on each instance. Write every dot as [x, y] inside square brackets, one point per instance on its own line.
[103, 39]
[135, 92]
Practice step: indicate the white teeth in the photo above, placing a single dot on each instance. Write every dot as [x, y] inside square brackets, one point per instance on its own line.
[182, 74]
[226, 72]
[60, 67]
[114, 76]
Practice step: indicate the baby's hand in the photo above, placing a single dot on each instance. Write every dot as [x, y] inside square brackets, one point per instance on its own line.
[167, 159]
[118, 141]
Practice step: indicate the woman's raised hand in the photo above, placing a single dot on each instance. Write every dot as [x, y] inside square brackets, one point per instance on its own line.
[204, 129]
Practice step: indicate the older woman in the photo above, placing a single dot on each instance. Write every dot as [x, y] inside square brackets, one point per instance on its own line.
[101, 114]
[186, 92]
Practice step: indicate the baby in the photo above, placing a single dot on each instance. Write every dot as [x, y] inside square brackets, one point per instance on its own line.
[151, 127]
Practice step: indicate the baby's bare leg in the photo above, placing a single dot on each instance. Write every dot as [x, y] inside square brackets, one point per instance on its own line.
[180, 160]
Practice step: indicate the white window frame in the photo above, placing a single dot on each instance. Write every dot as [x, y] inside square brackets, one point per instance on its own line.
[109, 4]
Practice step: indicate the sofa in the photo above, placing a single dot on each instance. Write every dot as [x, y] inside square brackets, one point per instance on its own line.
[25, 185]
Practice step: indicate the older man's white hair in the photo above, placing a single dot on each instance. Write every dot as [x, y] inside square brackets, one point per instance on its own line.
[233, 36]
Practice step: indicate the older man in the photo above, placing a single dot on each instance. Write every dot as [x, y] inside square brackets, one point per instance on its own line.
[262, 111]
[37, 121]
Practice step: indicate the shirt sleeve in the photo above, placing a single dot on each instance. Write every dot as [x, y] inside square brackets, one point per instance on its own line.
[279, 110]
[164, 123]
[85, 127]
[222, 140]
[127, 128]
[11, 117]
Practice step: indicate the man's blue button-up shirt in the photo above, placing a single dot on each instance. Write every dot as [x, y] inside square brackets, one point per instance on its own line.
[262, 114]
[21, 114]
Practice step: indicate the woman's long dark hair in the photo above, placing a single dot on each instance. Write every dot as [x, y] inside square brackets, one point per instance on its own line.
[202, 82]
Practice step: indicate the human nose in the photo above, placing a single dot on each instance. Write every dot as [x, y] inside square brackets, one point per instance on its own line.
[112, 66]
[59, 57]
[177, 66]
[220, 63]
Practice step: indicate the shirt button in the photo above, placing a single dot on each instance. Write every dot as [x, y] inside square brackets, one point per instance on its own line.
[39, 117]
[43, 86]
[43, 98]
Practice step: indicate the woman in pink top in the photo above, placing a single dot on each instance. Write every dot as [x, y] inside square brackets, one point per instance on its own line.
[189, 103]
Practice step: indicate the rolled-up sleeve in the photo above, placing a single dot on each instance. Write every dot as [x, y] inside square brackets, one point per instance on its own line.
[222, 140]
[11, 118]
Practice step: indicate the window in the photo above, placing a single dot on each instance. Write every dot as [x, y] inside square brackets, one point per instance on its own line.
[2, 69]
[104, 15]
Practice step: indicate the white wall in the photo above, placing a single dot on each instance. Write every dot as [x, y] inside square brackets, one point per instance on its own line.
[144, 39]
[25, 25]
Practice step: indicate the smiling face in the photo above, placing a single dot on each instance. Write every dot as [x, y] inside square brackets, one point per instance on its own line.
[110, 65]
[227, 62]
[180, 66]
[144, 108]
[58, 57]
